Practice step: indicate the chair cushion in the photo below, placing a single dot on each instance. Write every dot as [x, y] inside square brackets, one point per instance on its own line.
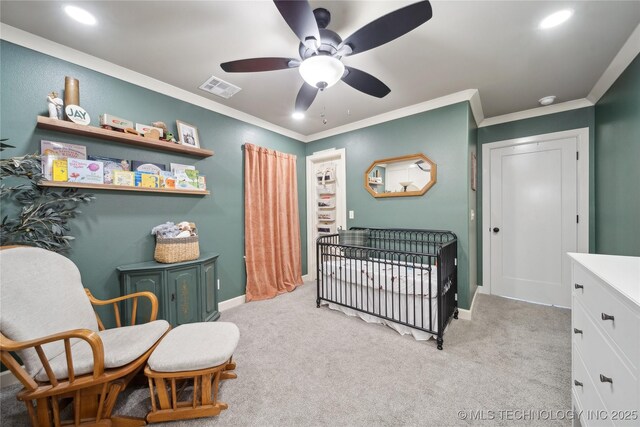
[121, 347]
[41, 293]
[195, 346]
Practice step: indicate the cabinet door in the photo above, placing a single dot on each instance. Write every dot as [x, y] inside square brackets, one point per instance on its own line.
[150, 281]
[182, 295]
[209, 292]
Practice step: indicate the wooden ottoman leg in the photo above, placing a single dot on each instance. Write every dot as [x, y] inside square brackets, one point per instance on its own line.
[230, 366]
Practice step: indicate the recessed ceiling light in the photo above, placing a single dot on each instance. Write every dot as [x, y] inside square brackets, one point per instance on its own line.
[80, 15]
[298, 115]
[547, 100]
[556, 19]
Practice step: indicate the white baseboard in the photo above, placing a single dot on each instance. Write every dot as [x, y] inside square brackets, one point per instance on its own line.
[467, 314]
[7, 378]
[484, 290]
[306, 277]
[230, 303]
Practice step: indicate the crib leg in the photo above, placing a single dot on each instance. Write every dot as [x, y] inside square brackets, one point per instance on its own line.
[439, 340]
[455, 314]
[318, 302]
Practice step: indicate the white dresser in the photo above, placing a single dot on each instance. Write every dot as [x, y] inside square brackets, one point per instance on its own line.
[605, 333]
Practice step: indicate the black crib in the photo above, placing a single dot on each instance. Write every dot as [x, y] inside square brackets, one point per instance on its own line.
[393, 278]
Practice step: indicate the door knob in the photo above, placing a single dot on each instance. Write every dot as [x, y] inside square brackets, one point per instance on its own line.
[496, 229]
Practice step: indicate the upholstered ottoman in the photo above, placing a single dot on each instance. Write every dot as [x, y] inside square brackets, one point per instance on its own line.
[200, 353]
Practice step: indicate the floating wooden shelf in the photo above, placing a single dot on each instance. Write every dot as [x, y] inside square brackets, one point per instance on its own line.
[119, 137]
[61, 184]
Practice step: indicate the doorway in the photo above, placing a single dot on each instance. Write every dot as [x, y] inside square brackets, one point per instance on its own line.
[326, 199]
[535, 204]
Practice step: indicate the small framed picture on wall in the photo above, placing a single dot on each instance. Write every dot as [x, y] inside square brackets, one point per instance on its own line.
[188, 134]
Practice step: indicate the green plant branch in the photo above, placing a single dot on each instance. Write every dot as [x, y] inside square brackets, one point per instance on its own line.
[43, 218]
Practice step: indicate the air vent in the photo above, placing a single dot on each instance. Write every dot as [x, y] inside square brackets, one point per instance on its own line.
[219, 87]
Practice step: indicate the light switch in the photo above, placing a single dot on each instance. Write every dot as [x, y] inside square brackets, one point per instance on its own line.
[351, 215]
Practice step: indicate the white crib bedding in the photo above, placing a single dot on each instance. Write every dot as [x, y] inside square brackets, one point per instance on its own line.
[399, 277]
[414, 310]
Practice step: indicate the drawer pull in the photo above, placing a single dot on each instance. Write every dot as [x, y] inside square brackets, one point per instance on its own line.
[578, 286]
[577, 383]
[605, 316]
[577, 331]
[604, 379]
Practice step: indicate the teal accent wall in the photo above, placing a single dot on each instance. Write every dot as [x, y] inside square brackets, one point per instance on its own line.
[115, 229]
[617, 173]
[567, 120]
[443, 136]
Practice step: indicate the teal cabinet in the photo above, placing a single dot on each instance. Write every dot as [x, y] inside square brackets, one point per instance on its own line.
[187, 291]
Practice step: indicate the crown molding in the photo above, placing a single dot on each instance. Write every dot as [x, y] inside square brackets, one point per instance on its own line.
[454, 98]
[630, 49]
[48, 47]
[621, 61]
[536, 112]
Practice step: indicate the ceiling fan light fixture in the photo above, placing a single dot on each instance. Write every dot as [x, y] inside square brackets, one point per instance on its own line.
[321, 71]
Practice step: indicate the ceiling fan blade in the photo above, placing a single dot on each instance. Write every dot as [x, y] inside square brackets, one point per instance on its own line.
[365, 82]
[305, 97]
[299, 16]
[259, 64]
[389, 27]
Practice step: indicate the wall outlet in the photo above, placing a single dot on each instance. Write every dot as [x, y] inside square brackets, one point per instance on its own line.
[218, 283]
[351, 215]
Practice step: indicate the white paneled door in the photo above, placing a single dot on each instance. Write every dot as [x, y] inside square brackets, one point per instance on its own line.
[533, 221]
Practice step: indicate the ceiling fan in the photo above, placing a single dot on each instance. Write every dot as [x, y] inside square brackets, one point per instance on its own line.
[321, 50]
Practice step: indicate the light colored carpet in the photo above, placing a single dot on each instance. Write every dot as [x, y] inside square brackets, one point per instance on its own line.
[300, 365]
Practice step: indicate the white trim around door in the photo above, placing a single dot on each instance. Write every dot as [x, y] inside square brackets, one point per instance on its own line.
[582, 142]
[337, 156]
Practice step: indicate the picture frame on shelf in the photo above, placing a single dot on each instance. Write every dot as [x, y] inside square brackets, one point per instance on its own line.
[188, 134]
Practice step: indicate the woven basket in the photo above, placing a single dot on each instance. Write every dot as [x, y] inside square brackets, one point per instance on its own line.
[173, 250]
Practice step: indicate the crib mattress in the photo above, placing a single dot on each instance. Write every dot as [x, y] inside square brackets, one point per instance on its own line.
[399, 277]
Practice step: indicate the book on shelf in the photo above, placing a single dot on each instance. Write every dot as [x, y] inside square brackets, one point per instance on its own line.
[178, 167]
[148, 180]
[51, 150]
[167, 180]
[149, 167]
[85, 171]
[60, 170]
[111, 165]
[126, 178]
[192, 176]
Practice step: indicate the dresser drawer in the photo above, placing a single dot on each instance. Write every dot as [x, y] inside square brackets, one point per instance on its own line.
[588, 403]
[603, 365]
[599, 302]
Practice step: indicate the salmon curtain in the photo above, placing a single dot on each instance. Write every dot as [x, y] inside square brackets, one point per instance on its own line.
[271, 223]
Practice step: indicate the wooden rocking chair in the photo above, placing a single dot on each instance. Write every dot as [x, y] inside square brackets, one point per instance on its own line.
[47, 318]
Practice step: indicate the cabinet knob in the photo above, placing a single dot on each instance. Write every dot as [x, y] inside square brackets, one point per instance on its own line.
[606, 316]
[577, 331]
[496, 229]
[577, 383]
[173, 297]
[604, 379]
[577, 286]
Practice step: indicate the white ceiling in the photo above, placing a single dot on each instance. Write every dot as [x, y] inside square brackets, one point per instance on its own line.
[494, 46]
